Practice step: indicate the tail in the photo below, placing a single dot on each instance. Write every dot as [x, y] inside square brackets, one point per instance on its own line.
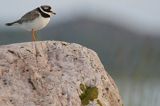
[10, 24]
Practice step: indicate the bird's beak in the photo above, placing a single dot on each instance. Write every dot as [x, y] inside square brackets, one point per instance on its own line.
[53, 13]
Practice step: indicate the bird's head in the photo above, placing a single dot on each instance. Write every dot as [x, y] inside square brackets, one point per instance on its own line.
[47, 9]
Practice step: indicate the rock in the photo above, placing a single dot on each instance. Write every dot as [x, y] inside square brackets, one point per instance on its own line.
[54, 73]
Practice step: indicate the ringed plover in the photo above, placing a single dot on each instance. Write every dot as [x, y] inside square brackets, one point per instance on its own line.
[34, 20]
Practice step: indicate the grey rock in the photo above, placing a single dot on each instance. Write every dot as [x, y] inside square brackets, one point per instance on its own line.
[54, 73]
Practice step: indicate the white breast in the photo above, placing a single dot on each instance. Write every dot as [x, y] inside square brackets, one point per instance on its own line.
[36, 24]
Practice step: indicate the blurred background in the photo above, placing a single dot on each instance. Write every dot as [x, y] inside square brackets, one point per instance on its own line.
[124, 33]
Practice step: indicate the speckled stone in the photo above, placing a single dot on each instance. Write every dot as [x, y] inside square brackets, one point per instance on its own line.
[49, 73]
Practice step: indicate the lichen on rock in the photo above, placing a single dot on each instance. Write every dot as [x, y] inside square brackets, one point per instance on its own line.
[89, 94]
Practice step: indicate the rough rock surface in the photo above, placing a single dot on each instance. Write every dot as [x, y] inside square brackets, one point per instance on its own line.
[54, 73]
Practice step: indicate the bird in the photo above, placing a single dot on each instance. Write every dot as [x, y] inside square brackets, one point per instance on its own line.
[34, 20]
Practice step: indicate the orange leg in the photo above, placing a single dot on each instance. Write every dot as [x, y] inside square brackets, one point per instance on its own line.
[33, 35]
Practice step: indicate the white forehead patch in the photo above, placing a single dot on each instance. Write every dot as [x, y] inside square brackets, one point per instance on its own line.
[46, 8]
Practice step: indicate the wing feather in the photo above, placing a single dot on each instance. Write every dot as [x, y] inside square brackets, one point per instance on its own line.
[29, 16]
